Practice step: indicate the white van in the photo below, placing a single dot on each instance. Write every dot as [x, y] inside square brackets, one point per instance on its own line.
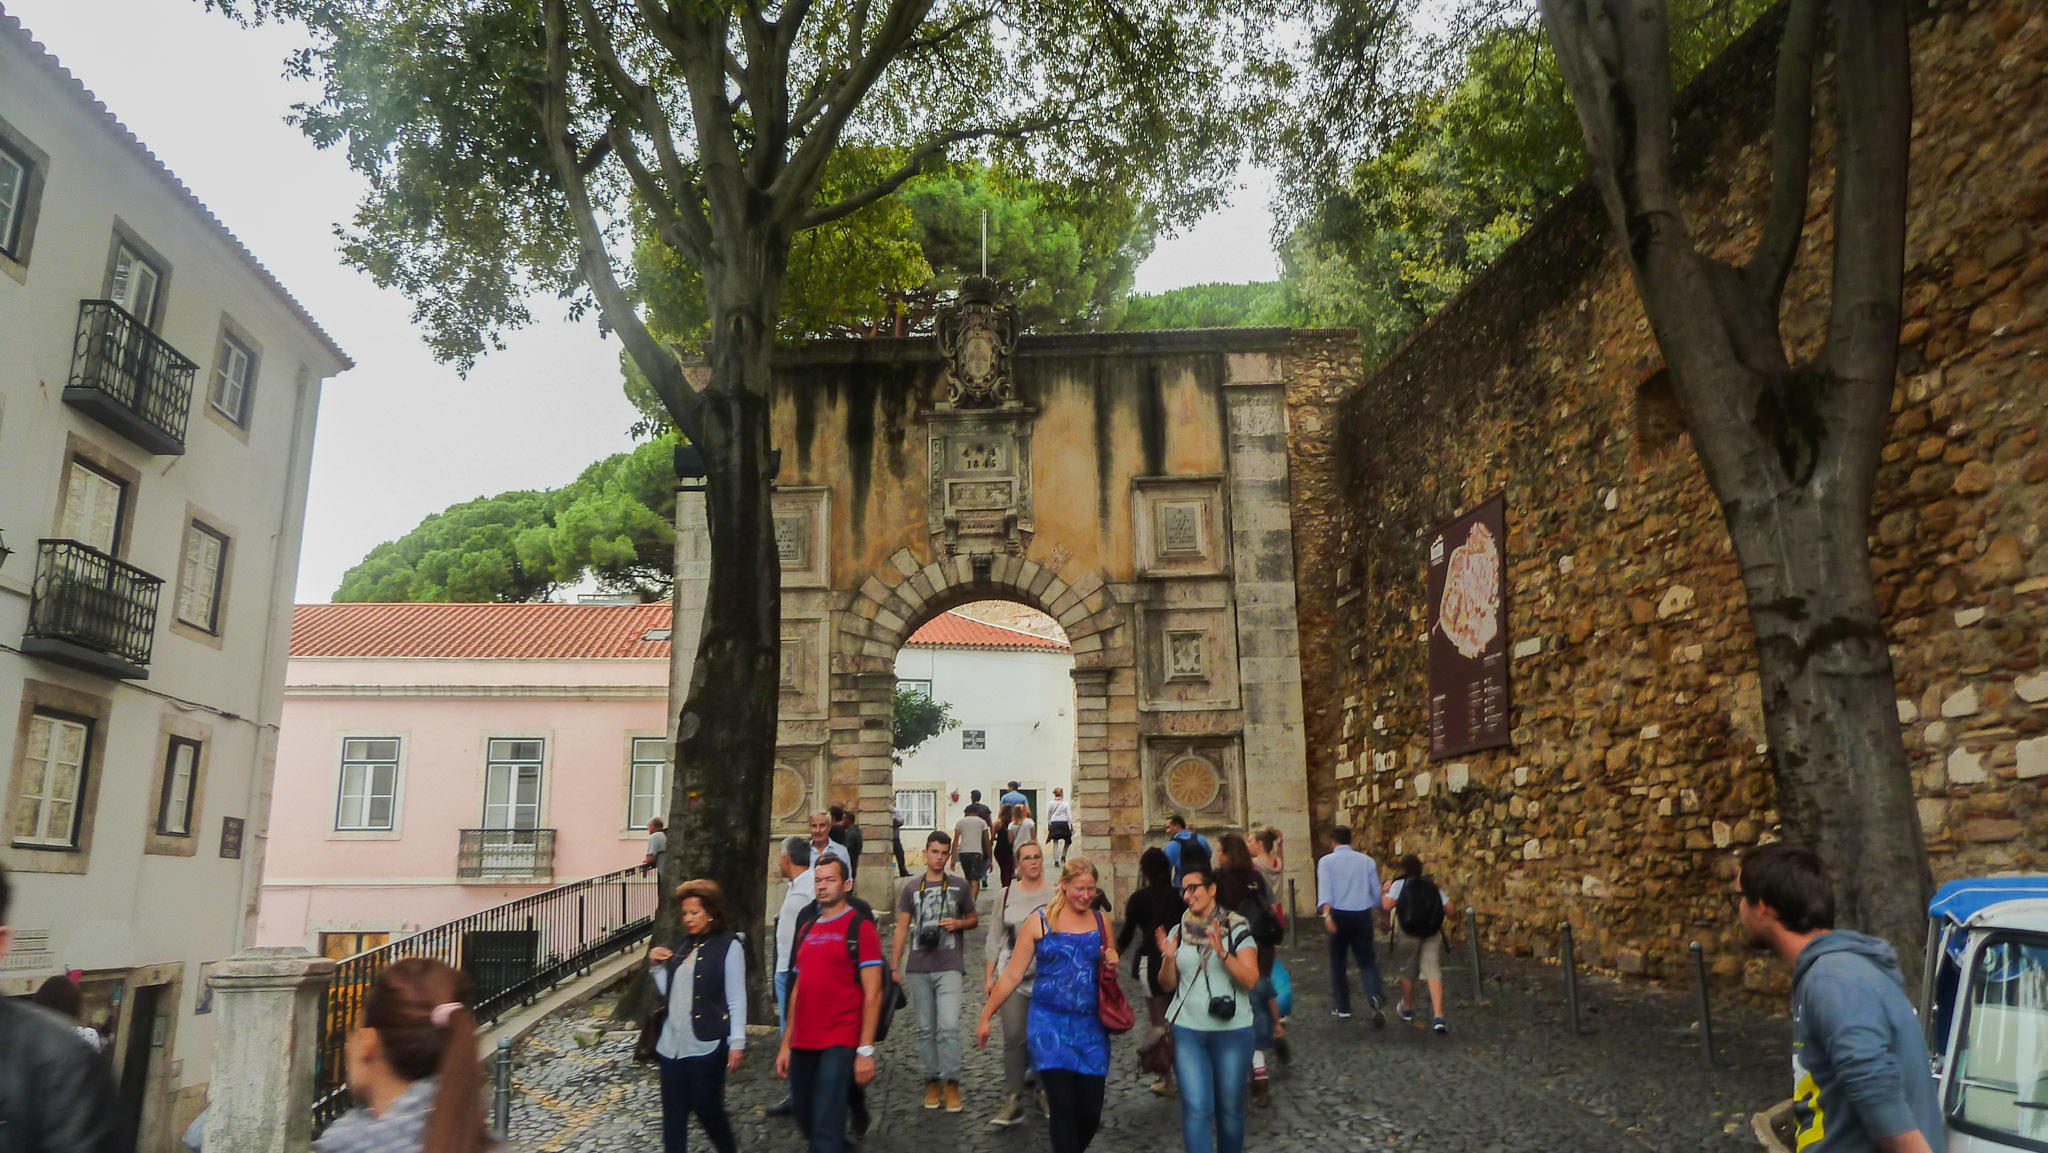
[1986, 1011]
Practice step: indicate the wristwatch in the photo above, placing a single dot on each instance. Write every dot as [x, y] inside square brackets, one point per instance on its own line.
[864, 1051]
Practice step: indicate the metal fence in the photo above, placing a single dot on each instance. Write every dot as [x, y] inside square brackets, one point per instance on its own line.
[512, 953]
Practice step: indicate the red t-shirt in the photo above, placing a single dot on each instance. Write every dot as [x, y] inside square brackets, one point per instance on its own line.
[828, 1006]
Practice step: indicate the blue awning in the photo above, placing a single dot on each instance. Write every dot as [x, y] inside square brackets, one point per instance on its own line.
[1957, 901]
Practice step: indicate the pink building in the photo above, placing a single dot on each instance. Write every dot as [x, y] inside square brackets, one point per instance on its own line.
[438, 759]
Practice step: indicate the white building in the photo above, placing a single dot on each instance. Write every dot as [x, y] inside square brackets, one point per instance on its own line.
[157, 403]
[1012, 691]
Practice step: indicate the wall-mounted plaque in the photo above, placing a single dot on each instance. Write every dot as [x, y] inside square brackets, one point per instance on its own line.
[1180, 528]
[793, 539]
[1185, 658]
[231, 838]
[1468, 632]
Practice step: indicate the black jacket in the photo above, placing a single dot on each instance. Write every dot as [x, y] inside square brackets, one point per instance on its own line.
[56, 1093]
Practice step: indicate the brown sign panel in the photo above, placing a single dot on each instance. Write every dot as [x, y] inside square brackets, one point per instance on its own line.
[231, 837]
[1468, 632]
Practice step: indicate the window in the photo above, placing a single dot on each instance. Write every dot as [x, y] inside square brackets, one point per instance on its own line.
[53, 770]
[341, 946]
[644, 783]
[199, 577]
[920, 808]
[1999, 1089]
[973, 738]
[15, 171]
[921, 688]
[369, 784]
[234, 369]
[135, 284]
[181, 770]
[93, 505]
[512, 783]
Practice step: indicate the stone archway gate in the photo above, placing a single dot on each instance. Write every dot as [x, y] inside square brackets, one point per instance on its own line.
[1135, 486]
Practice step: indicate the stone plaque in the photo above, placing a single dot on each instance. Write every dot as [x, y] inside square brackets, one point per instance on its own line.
[793, 539]
[231, 838]
[1192, 783]
[1186, 658]
[790, 793]
[792, 663]
[1180, 529]
[981, 495]
[981, 455]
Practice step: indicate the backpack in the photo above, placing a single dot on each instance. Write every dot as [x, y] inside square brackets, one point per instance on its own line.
[1257, 909]
[892, 993]
[1193, 853]
[1419, 910]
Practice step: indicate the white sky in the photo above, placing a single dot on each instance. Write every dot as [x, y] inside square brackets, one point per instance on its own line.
[401, 435]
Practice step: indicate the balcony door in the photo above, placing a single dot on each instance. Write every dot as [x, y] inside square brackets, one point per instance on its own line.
[512, 779]
[92, 508]
[135, 285]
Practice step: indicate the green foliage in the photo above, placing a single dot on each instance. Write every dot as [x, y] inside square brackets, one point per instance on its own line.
[918, 719]
[614, 522]
[1260, 304]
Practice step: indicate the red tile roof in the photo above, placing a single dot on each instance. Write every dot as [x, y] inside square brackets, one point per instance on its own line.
[481, 631]
[950, 630]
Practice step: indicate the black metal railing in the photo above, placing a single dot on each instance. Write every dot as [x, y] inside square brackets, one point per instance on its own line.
[512, 954]
[85, 599]
[116, 360]
[505, 855]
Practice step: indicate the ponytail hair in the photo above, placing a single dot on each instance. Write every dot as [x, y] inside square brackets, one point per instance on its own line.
[1074, 867]
[419, 1008]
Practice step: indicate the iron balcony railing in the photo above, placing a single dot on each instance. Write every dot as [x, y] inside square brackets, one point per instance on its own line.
[129, 378]
[90, 610]
[506, 855]
[512, 954]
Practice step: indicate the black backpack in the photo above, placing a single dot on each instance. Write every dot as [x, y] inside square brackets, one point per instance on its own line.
[892, 993]
[1256, 907]
[1193, 854]
[1419, 910]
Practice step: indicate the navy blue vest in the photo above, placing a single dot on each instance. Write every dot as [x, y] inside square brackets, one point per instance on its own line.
[710, 1017]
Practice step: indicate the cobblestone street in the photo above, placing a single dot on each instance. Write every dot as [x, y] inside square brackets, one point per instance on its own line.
[1509, 1077]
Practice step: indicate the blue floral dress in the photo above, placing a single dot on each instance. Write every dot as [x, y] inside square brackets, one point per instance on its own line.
[1063, 1029]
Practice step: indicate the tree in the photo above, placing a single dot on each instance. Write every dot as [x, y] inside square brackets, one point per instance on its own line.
[1258, 304]
[919, 717]
[509, 145]
[468, 552]
[1790, 443]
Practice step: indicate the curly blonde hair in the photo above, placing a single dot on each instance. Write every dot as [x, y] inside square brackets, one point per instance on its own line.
[1074, 867]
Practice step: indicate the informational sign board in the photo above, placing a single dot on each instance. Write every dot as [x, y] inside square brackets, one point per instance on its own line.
[1468, 632]
[231, 837]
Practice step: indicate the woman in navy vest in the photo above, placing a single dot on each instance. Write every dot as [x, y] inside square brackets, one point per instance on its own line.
[704, 981]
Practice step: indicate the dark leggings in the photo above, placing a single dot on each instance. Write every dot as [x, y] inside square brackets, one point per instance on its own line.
[695, 1085]
[1076, 1101]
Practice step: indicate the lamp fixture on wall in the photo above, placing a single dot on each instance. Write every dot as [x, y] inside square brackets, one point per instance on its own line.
[693, 476]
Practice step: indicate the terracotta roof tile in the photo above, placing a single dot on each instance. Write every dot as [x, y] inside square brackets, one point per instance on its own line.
[950, 630]
[481, 631]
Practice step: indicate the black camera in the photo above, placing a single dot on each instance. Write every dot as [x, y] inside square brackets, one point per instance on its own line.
[1223, 1008]
[928, 937]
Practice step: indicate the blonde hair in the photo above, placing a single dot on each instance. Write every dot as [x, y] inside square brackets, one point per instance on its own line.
[1074, 867]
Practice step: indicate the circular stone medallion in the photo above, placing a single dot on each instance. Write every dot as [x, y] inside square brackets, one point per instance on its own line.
[1192, 783]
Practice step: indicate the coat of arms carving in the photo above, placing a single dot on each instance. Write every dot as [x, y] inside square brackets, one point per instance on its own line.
[978, 338]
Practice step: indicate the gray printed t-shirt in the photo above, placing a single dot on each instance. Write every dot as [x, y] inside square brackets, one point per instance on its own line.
[928, 903]
[968, 835]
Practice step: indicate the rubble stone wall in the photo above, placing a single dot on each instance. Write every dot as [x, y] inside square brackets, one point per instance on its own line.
[1638, 768]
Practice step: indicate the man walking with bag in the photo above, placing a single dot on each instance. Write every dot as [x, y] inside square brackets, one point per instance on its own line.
[835, 1006]
[932, 913]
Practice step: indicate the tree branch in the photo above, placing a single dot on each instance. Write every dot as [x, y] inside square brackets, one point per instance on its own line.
[656, 363]
[798, 181]
[676, 208]
[1791, 154]
[854, 202]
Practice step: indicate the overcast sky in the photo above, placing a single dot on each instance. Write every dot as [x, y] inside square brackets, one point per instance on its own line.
[402, 435]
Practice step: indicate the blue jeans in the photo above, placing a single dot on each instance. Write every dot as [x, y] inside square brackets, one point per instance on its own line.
[820, 1081]
[1213, 1069]
[1262, 1013]
[694, 1085]
[1354, 934]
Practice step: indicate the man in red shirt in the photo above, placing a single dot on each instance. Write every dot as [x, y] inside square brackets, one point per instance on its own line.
[834, 1005]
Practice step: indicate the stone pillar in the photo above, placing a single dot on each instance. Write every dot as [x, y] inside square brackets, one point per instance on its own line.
[862, 756]
[261, 1098]
[1268, 634]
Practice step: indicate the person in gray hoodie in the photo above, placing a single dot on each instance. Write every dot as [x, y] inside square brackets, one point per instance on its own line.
[1861, 1077]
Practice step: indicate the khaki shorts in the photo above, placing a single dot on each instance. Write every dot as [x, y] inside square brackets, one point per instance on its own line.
[1416, 958]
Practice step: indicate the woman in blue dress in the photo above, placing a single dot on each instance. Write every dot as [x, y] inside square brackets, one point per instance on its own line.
[1069, 1047]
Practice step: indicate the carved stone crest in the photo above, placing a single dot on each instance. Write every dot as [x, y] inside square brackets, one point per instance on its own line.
[978, 338]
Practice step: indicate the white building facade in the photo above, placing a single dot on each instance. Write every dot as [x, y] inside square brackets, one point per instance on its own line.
[157, 407]
[1012, 692]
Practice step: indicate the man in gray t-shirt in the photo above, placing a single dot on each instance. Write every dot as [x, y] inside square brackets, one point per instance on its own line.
[657, 845]
[970, 845]
[933, 912]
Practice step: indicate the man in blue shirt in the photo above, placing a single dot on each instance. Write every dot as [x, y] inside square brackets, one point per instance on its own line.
[1015, 796]
[1348, 895]
[1185, 848]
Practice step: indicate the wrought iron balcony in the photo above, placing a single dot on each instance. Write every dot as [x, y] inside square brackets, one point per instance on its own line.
[129, 378]
[90, 611]
[506, 855]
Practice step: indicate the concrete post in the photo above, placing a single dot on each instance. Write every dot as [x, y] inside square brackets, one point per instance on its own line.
[270, 1001]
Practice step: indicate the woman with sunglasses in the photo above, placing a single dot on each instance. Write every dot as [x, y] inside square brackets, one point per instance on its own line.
[1211, 963]
[1069, 941]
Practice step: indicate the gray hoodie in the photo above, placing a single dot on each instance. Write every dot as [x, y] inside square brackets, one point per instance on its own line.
[1859, 1064]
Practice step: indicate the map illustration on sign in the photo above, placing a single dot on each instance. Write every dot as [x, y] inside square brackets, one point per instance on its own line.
[1468, 627]
[1469, 610]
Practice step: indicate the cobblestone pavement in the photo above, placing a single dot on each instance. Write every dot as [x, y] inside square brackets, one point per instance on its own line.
[1509, 1077]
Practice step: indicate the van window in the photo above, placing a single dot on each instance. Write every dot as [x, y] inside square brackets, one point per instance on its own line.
[2000, 1087]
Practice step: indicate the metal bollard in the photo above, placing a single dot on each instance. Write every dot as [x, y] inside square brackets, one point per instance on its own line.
[1472, 942]
[1699, 987]
[503, 1078]
[1569, 955]
[1293, 914]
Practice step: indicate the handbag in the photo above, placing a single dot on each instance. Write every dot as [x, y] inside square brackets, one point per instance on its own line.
[1112, 1008]
[1283, 989]
[650, 1029]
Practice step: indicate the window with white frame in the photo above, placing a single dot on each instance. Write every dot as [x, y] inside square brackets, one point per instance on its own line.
[53, 767]
[234, 369]
[199, 577]
[920, 808]
[921, 688]
[181, 770]
[136, 284]
[15, 173]
[369, 784]
[644, 782]
[512, 783]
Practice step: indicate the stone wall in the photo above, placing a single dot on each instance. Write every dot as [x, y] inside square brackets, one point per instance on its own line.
[1638, 767]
